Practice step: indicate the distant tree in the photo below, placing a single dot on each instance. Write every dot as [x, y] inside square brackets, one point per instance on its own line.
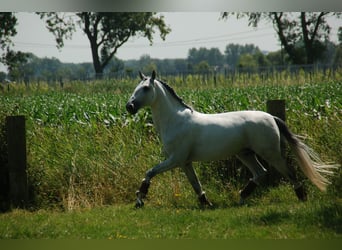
[106, 32]
[338, 58]
[338, 53]
[215, 57]
[246, 61]
[196, 55]
[212, 56]
[261, 59]
[3, 76]
[75, 71]
[165, 65]
[181, 65]
[114, 66]
[277, 58]
[233, 52]
[329, 53]
[302, 35]
[252, 62]
[13, 60]
[202, 67]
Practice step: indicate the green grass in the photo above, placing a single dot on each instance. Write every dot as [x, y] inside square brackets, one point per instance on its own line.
[84, 150]
[87, 156]
[267, 218]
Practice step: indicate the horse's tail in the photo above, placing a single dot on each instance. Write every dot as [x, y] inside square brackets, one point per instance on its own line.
[312, 166]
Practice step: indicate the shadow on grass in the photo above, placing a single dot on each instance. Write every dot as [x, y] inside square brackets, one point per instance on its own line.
[326, 215]
[330, 216]
[273, 217]
[277, 206]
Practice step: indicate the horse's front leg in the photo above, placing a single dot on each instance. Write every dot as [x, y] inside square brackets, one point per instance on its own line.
[195, 183]
[160, 168]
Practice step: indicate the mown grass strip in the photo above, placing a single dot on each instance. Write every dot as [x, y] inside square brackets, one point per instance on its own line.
[311, 220]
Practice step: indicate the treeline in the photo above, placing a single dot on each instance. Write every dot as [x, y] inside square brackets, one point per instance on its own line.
[246, 58]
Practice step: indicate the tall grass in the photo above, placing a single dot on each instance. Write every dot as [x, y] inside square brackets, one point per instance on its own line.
[84, 150]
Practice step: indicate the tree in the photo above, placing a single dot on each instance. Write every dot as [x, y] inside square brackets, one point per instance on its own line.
[8, 21]
[338, 54]
[248, 62]
[114, 66]
[202, 67]
[106, 32]
[196, 57]
[3, 76]
[13, 60]
[215, 57]
[276, 58]
[147, 64]
[302, 35]
[253, 62]
[234, 51]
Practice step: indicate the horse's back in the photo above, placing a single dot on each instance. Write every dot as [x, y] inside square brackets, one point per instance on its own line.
[246, 119]
[217, 136]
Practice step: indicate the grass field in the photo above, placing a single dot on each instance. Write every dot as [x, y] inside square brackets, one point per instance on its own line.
[265, 218]
[87, 156]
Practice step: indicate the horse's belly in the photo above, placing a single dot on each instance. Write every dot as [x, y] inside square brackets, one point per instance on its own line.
[217, 147]
[211, 155]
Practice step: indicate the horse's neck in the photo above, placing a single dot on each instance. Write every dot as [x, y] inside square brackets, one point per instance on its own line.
[165, 110]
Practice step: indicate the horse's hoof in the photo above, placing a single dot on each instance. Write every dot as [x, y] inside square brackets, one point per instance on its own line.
[139, 203]
[204, 202]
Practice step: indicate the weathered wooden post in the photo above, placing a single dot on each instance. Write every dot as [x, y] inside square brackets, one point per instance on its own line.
[276, 108]
[16, 145]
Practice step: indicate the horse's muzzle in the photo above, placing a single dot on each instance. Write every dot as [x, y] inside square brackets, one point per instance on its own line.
[131, 108]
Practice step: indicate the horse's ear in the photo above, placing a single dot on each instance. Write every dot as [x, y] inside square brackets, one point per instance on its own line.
[153, 75]
[142, 75]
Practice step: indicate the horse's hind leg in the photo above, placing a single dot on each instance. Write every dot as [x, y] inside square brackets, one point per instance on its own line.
[249, 159]
[279, 163]
[195, 183]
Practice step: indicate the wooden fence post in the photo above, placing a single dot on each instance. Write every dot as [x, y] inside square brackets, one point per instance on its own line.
[276, 108]
[16, 144]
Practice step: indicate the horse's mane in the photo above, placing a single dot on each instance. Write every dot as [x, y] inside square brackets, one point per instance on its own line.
[173, 93]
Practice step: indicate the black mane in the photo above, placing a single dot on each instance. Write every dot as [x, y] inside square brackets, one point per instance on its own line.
[173, 93]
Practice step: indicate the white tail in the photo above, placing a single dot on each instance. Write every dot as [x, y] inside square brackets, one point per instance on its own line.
[312, 166]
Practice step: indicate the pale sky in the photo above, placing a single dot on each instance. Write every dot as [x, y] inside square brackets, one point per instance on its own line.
[189, 30]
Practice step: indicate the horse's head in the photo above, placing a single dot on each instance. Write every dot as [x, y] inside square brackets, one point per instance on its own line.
[143, 95]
